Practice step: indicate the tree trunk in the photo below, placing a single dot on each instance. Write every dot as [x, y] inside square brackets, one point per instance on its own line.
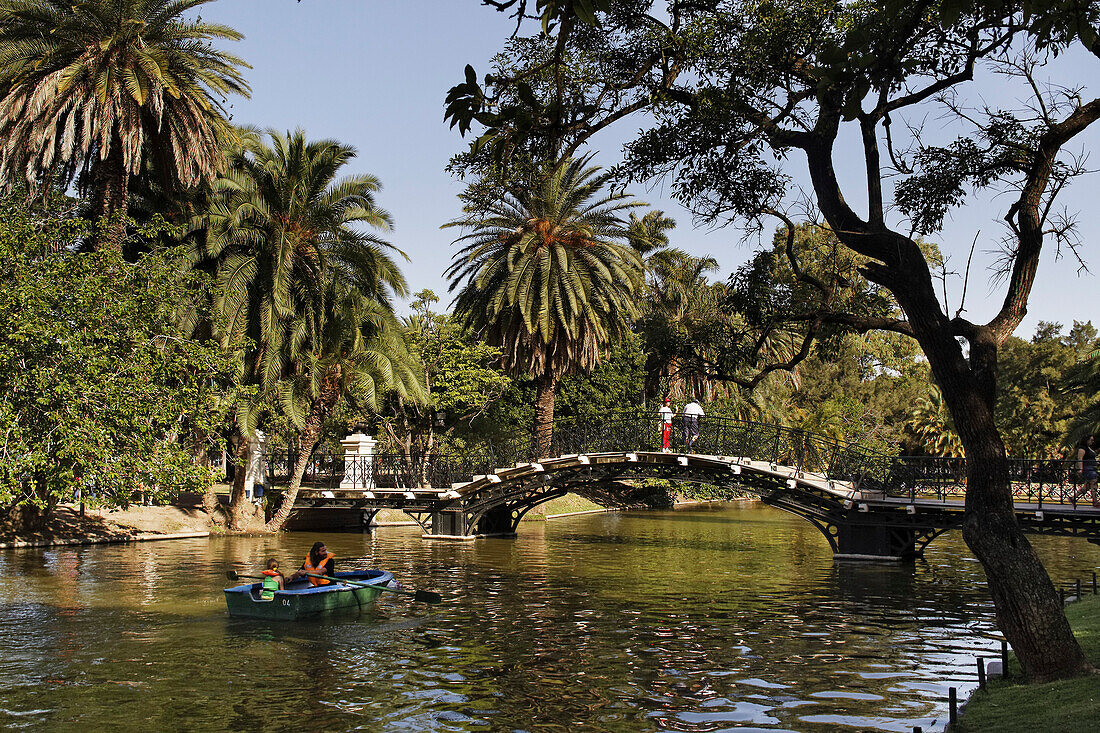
[110, 200]
[210, 502]
[1029, 611]
[306, 442]
[238, 502]
[426, 459]
[200, 457]
[542, 430]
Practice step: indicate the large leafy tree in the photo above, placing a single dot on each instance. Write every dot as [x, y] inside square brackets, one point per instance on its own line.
[286, 235]
[769, 81]
[1083, 381]
[545, 275]
[462, 379]
[1034, 411]
[98, 380]
[101, 88]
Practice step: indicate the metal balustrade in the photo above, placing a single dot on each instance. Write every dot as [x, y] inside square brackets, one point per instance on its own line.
[1039, 482]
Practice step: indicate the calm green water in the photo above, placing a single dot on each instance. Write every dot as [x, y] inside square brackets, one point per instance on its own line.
[678, 621]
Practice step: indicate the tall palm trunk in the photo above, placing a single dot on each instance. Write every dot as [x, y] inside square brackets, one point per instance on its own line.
[111, 199]
[307, 441]
[201, 457]
[238, 501]
[542, 430]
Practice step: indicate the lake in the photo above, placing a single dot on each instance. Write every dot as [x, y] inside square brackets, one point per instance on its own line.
[722, 618]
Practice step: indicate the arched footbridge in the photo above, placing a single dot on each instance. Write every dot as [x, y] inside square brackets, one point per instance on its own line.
[867, 505]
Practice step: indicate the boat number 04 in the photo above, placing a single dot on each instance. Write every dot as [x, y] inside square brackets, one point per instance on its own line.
[286, 601]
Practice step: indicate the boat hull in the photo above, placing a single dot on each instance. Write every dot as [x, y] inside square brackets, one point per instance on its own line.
[302, 600]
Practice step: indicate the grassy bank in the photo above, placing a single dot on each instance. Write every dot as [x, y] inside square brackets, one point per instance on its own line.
[562, 505]
[1068, 706]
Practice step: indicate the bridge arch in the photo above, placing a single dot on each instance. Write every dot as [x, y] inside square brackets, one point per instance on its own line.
[494, 504]
[866, 505]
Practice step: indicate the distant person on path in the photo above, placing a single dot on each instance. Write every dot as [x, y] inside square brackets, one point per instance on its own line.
[692, 412]
[273, 580]
[1086, 466]
[319, 561]
[665, 414]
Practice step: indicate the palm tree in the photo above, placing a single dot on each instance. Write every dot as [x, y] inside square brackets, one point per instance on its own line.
[360, 353]
[931, 424]
[544, 276]
[284, 236]
[101, 87]
[649, 233]
[679, 301]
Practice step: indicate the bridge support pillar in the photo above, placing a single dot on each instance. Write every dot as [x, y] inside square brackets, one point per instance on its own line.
[875, 542]
[448, 524]
[455, 524]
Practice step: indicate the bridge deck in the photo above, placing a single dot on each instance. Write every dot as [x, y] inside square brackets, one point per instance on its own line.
[842, 490]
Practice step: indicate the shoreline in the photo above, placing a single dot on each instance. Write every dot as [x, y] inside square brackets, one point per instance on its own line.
[177, 522]
[74, 541]
[1013, 705]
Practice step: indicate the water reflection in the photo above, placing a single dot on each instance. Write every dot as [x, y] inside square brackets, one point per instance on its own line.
[675, 621]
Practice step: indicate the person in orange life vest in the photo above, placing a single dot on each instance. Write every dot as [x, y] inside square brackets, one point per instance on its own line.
[319, 561]
[273, 580]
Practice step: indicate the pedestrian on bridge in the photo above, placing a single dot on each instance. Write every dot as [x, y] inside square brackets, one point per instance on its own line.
[1086, 466]
[692, 412]
[665, 414]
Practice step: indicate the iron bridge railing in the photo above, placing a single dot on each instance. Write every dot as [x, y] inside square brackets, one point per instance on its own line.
[1037, 482]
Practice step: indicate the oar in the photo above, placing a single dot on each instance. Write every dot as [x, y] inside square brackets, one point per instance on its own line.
[424, 596]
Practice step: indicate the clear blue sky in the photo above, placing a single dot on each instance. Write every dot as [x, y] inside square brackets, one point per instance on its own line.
[374, 74]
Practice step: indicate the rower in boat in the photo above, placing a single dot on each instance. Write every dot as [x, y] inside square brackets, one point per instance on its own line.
[273, 580]
[319, 561]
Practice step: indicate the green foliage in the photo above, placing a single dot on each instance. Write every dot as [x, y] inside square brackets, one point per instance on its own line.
[615, 385]
[684, 325]
[778, 287]
[768, 402]
[946, 174]
[459, 372]
[463, 378]
[933, 426]
[1033, 411]
[543, 274]
[284, 235]
[99, 87]
[97, 379]
[521, 113]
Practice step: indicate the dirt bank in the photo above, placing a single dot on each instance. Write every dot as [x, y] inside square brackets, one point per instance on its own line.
[67, 526]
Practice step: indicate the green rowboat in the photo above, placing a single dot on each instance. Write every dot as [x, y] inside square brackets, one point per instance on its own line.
[301, 599]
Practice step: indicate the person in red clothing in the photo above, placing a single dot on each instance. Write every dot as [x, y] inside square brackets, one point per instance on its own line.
[665, 414]
[319, 561]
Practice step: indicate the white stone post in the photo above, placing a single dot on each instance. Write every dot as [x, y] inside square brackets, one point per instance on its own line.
[358, 462]
[257, 446]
